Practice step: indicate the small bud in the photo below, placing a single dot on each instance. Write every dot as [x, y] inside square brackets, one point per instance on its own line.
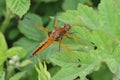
[11, 62]
[15, 58]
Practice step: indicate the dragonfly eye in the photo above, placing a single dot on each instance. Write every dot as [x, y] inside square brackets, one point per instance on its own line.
[67, 27]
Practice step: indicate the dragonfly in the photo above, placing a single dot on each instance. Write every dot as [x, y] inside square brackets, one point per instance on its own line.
[56, 35]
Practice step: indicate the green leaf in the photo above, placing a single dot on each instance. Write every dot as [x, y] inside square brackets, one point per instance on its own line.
[69, 18]
[28, 28]
[25, 63]
[73, 66]
[65, 60]
[103, 70]
[89, 16]
[105, 45]
[1, 69]
[109, 16]
[27, 44]
[84, 16]
[13, 34]
[16, 51]
[72, 5]
[54, 70]
[3, 49]
[67, 74]
[3, 44]
[116, 52]
[116, 55]
[17, 76]
[19, 7]
[103, 41]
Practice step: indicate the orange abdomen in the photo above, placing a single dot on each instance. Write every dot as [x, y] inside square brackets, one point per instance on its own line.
[40, 48]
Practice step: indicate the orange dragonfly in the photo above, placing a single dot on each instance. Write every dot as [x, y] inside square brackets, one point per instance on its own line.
[55, 35]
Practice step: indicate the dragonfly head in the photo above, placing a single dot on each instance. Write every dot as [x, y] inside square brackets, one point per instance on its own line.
[67, 27]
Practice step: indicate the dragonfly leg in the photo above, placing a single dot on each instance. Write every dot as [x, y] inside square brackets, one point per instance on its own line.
[63, 45]
[72, 37]
[60, 43]
[71, 32]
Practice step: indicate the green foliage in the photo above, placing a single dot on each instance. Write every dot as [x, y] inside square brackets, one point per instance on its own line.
[3, 48]
[8, 53]
[104, 37]
[3, 45]
[26, 27]
[71, 5]
[16, 51]
[103, 70]
[25, 63]
[43, 74]
[2, 7]
[17, 76]
[3, 76]
[27, 44]
[93, 53]
[20, 7]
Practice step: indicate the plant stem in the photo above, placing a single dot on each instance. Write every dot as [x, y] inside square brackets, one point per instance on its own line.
[6, 22]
